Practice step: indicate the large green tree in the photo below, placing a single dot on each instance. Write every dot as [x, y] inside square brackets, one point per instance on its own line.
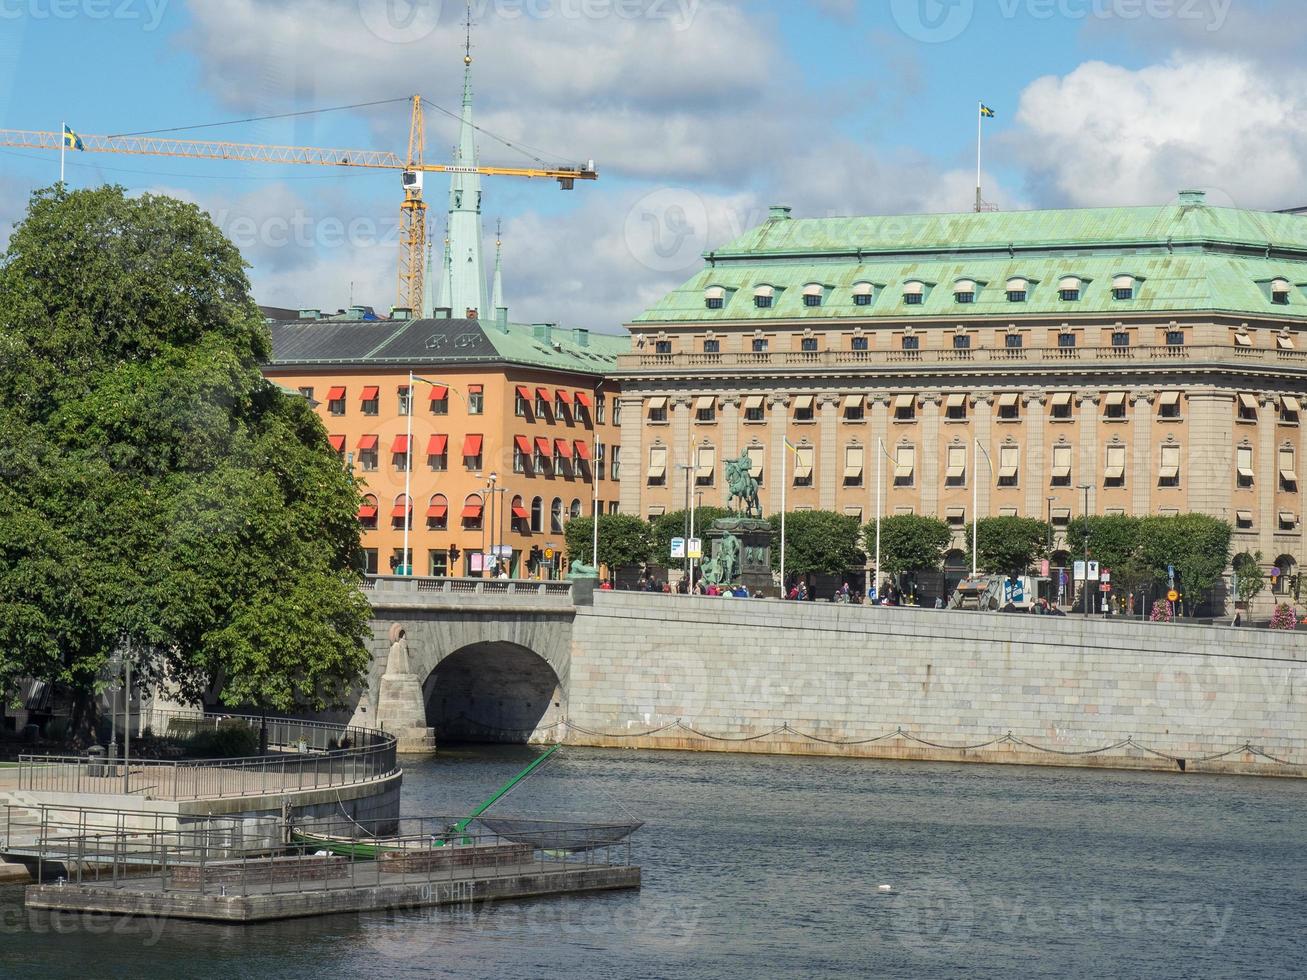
[157, 492]
[668, 526]
[624, 539]
[817, 541]
[1115, 543]
[909, 542]
[1008, 545]
[1198, 546]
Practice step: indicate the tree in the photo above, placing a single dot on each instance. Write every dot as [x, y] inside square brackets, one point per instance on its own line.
[1114, 542]
[1251, 578]
[623, 540]
[817, 541]
[1008, 545]
[673, 525]
[157, 492]
[909, 543]
[1198, 546]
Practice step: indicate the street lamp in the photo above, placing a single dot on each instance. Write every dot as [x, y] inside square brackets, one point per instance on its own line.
[1086, 487]
[975, 500]
[689, 528]
[881, 455]
[122, 663]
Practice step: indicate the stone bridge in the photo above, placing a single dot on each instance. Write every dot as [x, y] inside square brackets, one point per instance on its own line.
[515, 661]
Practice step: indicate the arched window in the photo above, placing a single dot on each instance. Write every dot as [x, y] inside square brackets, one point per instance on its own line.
[863, 292]
[714, 297]
[473, 508]
[964, 291]
[1282, 584]
[519, 519]
[1280, 291]
[1123, 287]
[368, 511]
[1017, 288]
[402, 512]
[438, 512]
[914, 292]
[537, 515]
[813, 293]
[1068, 288]
[556, 516]
[763, 296]
[574, 511]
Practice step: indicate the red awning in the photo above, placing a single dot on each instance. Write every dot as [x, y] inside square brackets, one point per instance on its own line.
[542, 445]
[584, 398]
[436, 445]
[523, 444]
[370, 393]
[368, 442]
[562, 448]
[337, 443]
[439, 393]
[472, 446]
[400, 445]
[543, 394]
[520, 512]
[564, 396]
[471, 510]
[438, 510]
[524, 393]
[582, 449]
[400, 511]
[336, 394]
[367, 512]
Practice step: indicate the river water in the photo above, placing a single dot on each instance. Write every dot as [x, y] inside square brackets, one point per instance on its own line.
[769, 866]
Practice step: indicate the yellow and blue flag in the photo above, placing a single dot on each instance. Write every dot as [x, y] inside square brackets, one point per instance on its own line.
[71, 140]
[986, 111]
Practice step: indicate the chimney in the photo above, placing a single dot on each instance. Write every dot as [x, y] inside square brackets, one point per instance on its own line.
[1193, 198]
[581, 337]
[778, 212]
[543, 332]
[471, 313]
[501, 318]
[310, 314]
[442, 313]
[401, 313]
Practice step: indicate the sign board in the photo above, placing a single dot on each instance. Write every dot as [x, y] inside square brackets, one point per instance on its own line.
[1173, 595]
[1079, 571]
[549, 554]
[1043, 568]
[1105, 587]
[1105, 577]
[678, 547]
[503, 551]
[695, 548]
[478, 561]
[1093, 570]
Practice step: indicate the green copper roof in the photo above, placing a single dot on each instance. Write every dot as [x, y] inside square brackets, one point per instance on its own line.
[1183, 258]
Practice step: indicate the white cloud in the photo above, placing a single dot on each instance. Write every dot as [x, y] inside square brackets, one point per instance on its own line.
[1104, 134]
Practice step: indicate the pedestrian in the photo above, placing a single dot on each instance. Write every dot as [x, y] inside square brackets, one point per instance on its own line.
[939, 602]
[607, 585]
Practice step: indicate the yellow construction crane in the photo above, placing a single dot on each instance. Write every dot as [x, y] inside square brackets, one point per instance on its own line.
[413, 210]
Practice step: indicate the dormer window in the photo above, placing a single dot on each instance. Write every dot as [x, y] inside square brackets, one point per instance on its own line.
[714, 297]
[1017, 289]
[763, 297]
[964, 291]
[1123, 287]
[862, 293]
[914, 293]
[1068, 289]
[1280, 292]
[812, 294]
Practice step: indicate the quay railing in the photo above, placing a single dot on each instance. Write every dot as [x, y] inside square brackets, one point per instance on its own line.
[332, 855]
[303, 755]
[466, 586]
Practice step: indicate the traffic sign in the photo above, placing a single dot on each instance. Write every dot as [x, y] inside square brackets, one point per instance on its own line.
[1105, 587]
[1173, 595]
[695, 548]
[1093, 570]
[678, 547]
[549, 554]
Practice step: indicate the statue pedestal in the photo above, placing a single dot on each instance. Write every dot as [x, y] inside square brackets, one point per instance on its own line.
[402, 712]
[755, 537]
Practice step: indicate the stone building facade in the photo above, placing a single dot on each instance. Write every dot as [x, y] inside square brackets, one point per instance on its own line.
[1130, 360]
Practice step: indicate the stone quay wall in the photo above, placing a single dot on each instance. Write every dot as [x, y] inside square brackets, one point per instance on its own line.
[657, 671]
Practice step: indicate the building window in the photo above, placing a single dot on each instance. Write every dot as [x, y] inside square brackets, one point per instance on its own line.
[1114, 473]
[1120, 338]
[753, 408]
[762, 301]
[911, 342]
[405, 400]
[556, 516]
[473, 511]
[714, 302]
[854, 408]
[705, 409]
[438, 513]
[657, 475]
[912, 299]
[1243, 520]
[1114, 405]
[905, 465]
[812, 299]
[1061, 407]
[705, 466]
[1016, 295]
[521, 404]
[808, 344]
[1244, 473]
[853, 465]
[760, 345]
[961, 341]
[1247, 408]
[955, 407]
[371, 401]
[476, 400]
[336, 401]
[1065, 340]
[1169, 472]
[1175, 338]
[519, 460]
[1068, 289]
[401, 514]
[541, 407]
[968, 296]
[1289, 408]
[658, 409]
[862, 299]
[437, 563]
[914, 293]
[615, 471]
[472, 453]
[1017, 289]
[1061, 475]
[1288, 472]
[803, 466]
[369, 561]
[1009, 406]
[1123, 292]
[440, 400]
[905, 408]
[1009, 461]
[1280, 292]
[368, 513]
[712, 346]
[537, 515]
[368, 454]
[601, 460]
[601, 408]
[803, 408]
[1012, 341]
[1169, 405]
[955, 474]
[662, 346]
[860, 343]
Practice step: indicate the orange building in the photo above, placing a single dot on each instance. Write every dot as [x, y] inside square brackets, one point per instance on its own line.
[513, 429]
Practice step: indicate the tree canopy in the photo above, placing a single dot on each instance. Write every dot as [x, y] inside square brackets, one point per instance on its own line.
[1008, 545]
[909, 542]
[817, 541]
[624, 539]
[157, 492]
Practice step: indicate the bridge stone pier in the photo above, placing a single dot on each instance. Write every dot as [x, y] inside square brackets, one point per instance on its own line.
[507, 661]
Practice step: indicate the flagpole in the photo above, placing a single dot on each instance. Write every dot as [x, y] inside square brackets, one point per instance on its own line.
[975, 501]
[63, 148]
[880, 460]
[979, 118]
[785, 458]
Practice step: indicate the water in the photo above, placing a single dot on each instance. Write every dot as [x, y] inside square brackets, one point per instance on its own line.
[762, 867]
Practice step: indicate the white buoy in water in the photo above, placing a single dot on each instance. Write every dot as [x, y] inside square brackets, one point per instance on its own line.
[884, 888]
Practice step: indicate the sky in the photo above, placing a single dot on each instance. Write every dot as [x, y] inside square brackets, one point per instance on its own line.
[698, 114]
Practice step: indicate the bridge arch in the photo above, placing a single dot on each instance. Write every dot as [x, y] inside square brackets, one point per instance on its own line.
[493, 691]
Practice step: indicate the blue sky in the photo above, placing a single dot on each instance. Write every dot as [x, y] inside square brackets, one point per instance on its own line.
[698, 112]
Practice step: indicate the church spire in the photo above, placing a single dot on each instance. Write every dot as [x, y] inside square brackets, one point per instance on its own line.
[497, 302]
[465, 287]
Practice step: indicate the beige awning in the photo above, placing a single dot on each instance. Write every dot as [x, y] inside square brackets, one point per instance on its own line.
[1115, 398]
[1244, 516]
[1114, 471]
[705, 463]
[1243, 340]
[656, 510]
[704, 402]
[1248, 401]
[913, 288]
[853, 511]
[1062, 398]
[657, 403]
[714, 292]
[1061, 515]
[1288, 476]
[955, 471]
[955, 513]
[1068, 282]
[813, 289]
[1062, 462]
[862, 289]
[1008, 400]
[1288, 518]
[904, 463]
[803, 463]
[1284, 343]
[657, 463]
[1007, 512]
[1007, 472]
[1169, 472]
[755, 461]
[1291, 403]
[904, 401]
[1123, 282]
[903, 511]
[853, 464]
[956, 401]
[803, 401]
[1170, 398]
[1246, 472]
[852, 401]
[753, 401]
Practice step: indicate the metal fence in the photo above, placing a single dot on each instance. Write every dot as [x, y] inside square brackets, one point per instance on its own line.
[477, 586]
[305, 755]
[333, 856]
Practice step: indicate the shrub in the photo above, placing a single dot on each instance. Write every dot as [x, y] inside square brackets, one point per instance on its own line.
[1284, 618]
[230, 740]
[1161, 612]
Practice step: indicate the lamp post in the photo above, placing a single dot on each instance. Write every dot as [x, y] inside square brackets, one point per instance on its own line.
[975, 501]
[121, 661]
[594, 479]
[881, 454]
[1086, 487]
[407, 564]
[688, 468]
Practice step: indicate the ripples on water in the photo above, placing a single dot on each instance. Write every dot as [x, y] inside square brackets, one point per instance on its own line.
[761, 867]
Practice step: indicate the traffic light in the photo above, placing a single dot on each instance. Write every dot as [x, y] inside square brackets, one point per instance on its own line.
[453, 557]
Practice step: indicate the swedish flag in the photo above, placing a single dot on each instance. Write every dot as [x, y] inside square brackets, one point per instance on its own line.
[71, 140]
[986, 111]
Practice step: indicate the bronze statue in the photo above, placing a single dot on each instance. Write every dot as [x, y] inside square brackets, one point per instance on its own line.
[743, 487]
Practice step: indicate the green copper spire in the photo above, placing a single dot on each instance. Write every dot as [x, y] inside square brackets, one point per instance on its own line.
[497, 302]
[465, 287]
